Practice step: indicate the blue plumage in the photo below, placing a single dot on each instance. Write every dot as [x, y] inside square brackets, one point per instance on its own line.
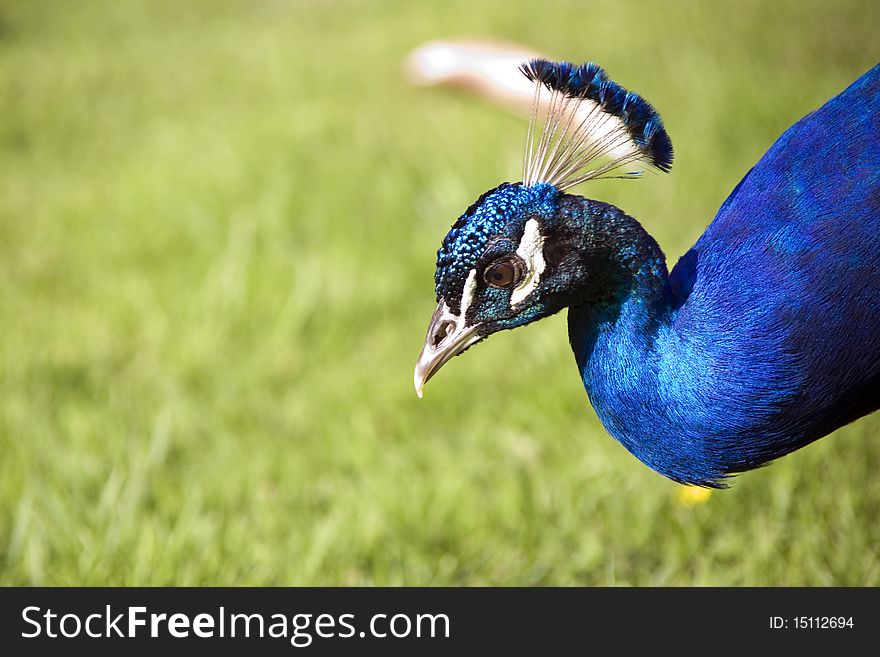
[763, 338]
[467, 240]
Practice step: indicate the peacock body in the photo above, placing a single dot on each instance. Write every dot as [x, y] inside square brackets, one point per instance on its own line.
[763, 338]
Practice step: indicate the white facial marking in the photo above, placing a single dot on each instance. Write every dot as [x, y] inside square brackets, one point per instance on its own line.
[531, 250]
[467, 295]
[467, 298]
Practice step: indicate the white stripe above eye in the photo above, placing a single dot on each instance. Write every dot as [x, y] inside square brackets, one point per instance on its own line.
[531, 250]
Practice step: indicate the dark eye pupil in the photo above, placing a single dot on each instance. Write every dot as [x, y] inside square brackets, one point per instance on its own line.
[505, 272]
[501, 274]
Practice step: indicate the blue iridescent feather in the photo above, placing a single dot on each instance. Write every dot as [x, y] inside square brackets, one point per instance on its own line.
[766, 335]
[589, 81]
[485, 219]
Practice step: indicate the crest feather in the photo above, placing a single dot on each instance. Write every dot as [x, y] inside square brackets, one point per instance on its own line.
[590, 127]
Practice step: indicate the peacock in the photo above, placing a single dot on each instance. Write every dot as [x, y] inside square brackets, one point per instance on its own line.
[764, 337]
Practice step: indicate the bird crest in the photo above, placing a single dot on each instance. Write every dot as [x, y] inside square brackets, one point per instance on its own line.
[584, 125]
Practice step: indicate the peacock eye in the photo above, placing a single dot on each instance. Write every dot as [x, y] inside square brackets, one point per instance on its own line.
[505, 272]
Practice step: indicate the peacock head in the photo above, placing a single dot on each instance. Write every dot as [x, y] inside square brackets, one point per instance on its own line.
[517, 254]
[496, 269]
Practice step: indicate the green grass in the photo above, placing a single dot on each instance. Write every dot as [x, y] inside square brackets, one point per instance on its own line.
[217, 232]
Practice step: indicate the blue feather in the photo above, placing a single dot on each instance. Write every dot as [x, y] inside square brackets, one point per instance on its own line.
[590, 81]
[768, 334]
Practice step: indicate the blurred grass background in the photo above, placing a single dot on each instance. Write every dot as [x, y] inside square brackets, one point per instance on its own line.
[218, 224]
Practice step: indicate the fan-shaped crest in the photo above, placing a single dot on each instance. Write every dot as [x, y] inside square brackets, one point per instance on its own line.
[584, 126]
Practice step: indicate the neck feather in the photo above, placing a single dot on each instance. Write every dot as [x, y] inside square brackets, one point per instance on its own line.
[627, 294]
[620, 329]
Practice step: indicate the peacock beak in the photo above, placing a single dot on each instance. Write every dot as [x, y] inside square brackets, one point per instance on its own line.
[447, 336]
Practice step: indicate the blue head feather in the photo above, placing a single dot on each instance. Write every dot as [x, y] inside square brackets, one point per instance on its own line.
[590, 81]
[496, 215]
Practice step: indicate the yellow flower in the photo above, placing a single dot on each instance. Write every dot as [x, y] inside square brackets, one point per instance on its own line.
[692, 495]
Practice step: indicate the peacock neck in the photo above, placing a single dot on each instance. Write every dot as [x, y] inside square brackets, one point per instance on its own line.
[620, 337]
[626, 299]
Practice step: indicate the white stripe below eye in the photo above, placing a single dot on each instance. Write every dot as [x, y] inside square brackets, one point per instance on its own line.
[468, 294]
[531, 250]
